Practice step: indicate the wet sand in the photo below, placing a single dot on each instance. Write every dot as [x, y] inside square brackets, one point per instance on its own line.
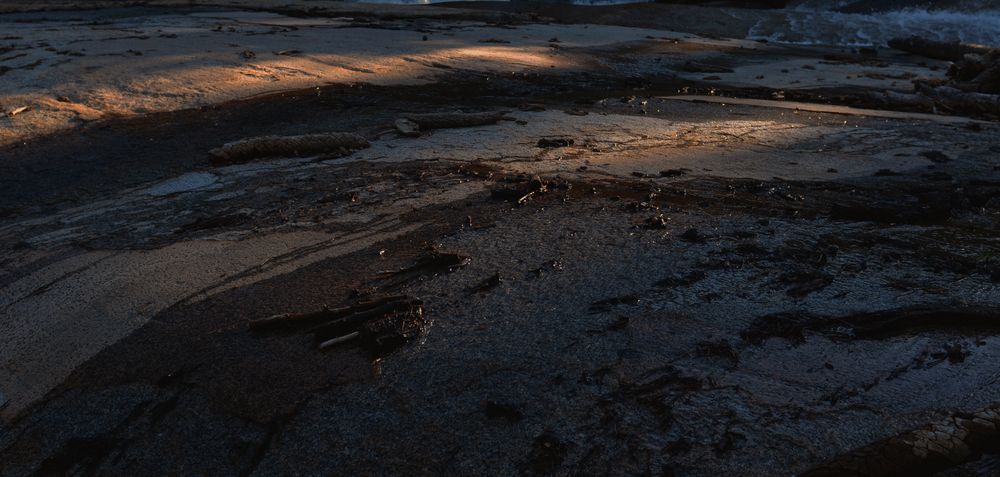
[686, 295]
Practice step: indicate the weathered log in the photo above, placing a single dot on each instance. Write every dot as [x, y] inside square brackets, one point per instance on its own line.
[287, 146]
[923, 452]
[954, 99]
[977, 73]
[939, 50]
[896, 99]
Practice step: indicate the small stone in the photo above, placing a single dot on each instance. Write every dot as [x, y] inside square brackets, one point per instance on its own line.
[407, 128]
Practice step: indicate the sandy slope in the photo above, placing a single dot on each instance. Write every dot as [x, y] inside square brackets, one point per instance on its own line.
[130, 266]
[80, 66]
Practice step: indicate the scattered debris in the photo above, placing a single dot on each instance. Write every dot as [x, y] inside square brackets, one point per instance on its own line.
[523, 193]
[553, 265]
[554, 142]
[379, 325]
[287, 146]
[658, 221]
[673, 173]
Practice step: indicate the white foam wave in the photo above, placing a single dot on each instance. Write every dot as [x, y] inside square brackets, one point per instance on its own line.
[802, 26]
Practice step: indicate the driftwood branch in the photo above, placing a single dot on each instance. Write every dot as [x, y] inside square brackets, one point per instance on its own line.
[954, 99]
[287, 146]
[380, 325]
[324, 315]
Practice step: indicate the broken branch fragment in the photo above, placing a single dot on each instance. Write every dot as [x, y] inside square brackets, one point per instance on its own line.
[433, 263]
[16, 111]
[326, 314]
[340, 339]
[287, 146]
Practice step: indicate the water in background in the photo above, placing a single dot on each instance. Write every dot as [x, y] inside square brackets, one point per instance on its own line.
[835, 22]
[855, 22]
